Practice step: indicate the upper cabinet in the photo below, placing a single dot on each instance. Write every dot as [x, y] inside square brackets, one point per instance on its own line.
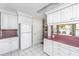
[67, 14]
[75, 12]
[12, 19]
[77, 30]
[57, 17]
[24, 19]
[64, 15]
[50, 19]
[4, 21]
[8, 21]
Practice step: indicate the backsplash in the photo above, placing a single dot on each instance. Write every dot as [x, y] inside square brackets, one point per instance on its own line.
[6, 33]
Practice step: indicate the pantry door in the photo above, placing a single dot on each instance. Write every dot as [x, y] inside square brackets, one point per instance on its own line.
[37, 31]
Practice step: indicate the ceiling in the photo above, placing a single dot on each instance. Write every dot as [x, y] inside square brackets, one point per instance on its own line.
[29, 8]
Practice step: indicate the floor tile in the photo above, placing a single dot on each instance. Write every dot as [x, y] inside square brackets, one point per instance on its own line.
[37, 50]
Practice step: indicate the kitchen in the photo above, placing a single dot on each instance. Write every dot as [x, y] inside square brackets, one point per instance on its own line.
[63, 34]
[51, 30]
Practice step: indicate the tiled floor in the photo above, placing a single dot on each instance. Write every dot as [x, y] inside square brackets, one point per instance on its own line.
[33, 51]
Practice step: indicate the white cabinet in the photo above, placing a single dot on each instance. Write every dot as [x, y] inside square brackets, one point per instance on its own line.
[54, 17]
[67, 14]
[4, 48]
[12, 22]
[24, 19]
[8, 21]
[75, 12]
[57, 17]
[48, 47]
[59, 49]
[21, 19]
[50, 19]
[62, 16]
[54, 20]
[26, 41]
[23, 41]
[4, 21]
[64, 52]
[13, 43]
[63, 49]
[28, 20]
[8, 45]
[74, 54]
[29, 39]
[55, 49]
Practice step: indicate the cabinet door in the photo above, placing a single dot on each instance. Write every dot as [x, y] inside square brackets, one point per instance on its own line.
[13, 43]
[57, 17]
[4, 21]
[48, 48]
[4, 48]
[75, 12]
[49, 19]
[8, 21]
[63, 51]
[55, 49]
[12, 19]
[62, 16]
[29, 39]
[25, 40]
[8, 45]
[60, 49]
[54, 20]
[67, 14]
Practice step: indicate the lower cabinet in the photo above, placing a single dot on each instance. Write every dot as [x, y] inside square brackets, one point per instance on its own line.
[54, 48]
[13, 44]
[8, 45]
[3, 46]
[48, 47]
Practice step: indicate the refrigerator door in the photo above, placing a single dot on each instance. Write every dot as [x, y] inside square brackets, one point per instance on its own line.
[25, 36]
[26, 28]
[26, 41]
